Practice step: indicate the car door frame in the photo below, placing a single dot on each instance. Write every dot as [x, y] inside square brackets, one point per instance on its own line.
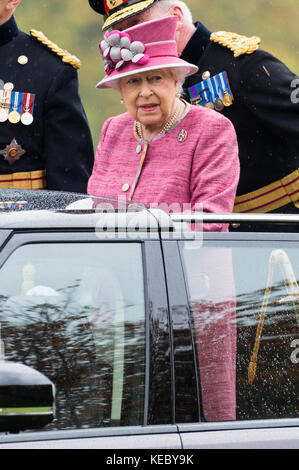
[263, 433]
[158, 414]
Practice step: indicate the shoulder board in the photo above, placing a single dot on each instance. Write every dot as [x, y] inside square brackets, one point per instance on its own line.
[238, 44]
[65, 55]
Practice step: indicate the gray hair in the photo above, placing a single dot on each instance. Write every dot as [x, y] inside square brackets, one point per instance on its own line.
[179, 74]
[164, 5]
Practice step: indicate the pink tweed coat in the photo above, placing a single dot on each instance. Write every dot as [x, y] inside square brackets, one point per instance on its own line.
[197, 172]
[196, 165]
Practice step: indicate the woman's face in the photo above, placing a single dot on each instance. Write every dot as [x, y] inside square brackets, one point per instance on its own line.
[150, 96]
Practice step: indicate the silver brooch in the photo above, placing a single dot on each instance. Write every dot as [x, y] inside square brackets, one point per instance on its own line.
[182, 135]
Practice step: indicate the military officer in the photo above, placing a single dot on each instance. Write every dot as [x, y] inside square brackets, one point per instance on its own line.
[45, 140]
[245, 83]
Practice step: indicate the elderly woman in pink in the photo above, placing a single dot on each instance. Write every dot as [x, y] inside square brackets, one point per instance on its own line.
[162, 151]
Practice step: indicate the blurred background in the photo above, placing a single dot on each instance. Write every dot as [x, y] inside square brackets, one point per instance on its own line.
[74, 26]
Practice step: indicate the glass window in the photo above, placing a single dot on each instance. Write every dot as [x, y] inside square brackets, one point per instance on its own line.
[75, 312]
[244, 303]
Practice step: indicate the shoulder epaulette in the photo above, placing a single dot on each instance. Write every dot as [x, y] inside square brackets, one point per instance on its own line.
[238, 44]
[65, 55]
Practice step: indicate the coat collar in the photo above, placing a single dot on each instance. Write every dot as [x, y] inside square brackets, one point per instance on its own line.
[8, 31]
[197, 44]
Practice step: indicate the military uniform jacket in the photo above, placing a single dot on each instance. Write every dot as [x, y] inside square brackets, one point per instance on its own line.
[265, 114]
[55, 151]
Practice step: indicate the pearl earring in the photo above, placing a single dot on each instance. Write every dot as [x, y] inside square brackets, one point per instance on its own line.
[122, 101]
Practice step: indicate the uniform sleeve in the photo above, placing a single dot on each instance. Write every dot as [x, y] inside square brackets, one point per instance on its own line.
[215, 170]
[271, 93]
[67, 146]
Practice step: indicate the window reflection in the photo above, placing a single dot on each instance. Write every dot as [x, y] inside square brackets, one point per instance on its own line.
[244, 306]
[210, 284]
[76, 313]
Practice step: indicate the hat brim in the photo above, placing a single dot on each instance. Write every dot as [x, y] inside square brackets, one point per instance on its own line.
[126, 12]
[112, 80]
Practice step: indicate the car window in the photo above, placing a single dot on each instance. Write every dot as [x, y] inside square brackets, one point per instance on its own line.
[244, 304]
[75, 312]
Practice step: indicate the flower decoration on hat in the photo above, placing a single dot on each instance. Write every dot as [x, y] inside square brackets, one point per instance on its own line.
[117, 49]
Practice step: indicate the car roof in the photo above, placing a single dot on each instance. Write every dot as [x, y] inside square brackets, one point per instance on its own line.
[16, 199]
[32, 209]
[29, 209]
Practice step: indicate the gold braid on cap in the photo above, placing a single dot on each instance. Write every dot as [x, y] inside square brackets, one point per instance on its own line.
[238, 44]
[127, 12]
[66, 56]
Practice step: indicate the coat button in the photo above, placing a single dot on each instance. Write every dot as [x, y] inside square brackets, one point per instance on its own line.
[22, 60]
[125, 187]
[8, 86]
[206, 75]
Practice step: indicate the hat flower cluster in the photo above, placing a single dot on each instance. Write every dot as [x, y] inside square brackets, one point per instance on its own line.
[117, 49]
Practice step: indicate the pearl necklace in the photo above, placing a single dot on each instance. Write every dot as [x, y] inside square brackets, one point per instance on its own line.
[166, 126]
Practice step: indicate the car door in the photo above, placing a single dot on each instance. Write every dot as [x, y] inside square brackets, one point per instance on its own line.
[91, 313]
[241, 291]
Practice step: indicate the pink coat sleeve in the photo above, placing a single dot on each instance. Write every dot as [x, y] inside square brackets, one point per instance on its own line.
[92, 182]
[215, 169]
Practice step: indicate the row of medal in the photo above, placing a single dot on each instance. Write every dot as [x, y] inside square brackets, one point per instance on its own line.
[212, 92]
[16, 106]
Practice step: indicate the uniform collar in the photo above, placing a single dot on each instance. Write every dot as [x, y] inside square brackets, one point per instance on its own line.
[197, 44]
[8, 31]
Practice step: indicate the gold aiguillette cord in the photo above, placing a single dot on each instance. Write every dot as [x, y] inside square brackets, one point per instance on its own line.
[277, 257]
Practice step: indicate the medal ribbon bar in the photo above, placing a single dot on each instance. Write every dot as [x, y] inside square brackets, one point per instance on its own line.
[15, 107]
[16, 101]
[5, 99]
[224, 83]
[216, 89]
[27, 108]
[210, 90]
[15, 104]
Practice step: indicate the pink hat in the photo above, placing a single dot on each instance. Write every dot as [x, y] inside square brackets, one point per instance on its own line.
[147, 46]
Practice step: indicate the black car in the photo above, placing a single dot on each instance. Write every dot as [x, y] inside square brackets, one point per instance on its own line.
[123, 326]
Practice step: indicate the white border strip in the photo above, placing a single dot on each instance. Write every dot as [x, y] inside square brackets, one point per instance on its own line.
[193, 70]
[160, 42]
